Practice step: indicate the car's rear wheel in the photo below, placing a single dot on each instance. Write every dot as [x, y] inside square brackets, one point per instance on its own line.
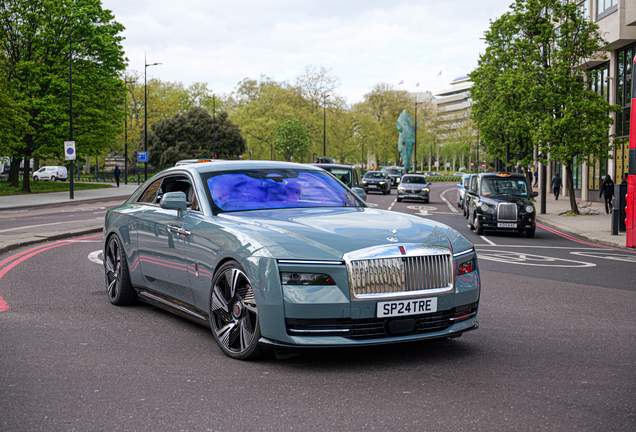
[120, 290]
[233, 313]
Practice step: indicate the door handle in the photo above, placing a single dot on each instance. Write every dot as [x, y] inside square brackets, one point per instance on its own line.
[178, 230]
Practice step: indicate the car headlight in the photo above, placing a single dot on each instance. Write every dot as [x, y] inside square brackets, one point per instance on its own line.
[397, 179]
[485, 207]
[529, 209]
[425, 190]
[364, 182]
[401, 188]
[306, 279]
[382, 182]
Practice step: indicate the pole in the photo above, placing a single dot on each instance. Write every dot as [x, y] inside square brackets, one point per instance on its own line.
[146, 115]
[213, 127]
[544, 182]
[126, 133]
[630, 211]
[70, 83]
[324, 127]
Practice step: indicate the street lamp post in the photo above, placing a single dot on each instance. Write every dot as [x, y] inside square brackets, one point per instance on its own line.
[213, 127]
[70, 83]
[362, 156]
[415, 145]
[146, 115]
[324, 127]
[126, 131]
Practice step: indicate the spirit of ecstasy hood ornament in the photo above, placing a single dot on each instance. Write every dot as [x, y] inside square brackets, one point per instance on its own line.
[392, 239]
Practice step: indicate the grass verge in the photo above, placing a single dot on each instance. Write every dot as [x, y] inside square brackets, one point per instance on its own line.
[47, 186]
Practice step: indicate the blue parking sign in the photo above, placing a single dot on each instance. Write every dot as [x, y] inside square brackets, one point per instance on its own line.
[142, 156]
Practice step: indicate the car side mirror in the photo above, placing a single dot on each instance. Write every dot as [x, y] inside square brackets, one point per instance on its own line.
[174, 201]
[534, 194]
[360, 192]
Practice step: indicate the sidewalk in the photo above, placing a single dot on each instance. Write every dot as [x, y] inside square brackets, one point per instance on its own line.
[592, 224]
[13, 238]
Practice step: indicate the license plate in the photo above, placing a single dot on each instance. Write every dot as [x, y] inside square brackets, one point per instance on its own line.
[506, 225]
[407, 307]
[413, 195]
[373, 186]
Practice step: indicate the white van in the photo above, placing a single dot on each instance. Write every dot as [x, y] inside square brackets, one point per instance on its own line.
[50, 173]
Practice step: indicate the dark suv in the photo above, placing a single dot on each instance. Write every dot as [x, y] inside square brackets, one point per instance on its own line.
[348, 174]
[500, 202]
[376, 181]
[395, 173]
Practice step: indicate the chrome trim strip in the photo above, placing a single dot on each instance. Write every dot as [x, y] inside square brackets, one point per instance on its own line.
[467, 251]
[171, 304]
[317, 331]
[285, 261]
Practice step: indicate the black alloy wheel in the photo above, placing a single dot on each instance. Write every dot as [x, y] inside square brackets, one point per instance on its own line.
[233, 313]
[120, 290]
[479, 230]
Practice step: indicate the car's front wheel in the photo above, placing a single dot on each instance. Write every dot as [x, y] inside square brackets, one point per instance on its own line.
[233, 313]
[479, 230]
[530, 232]
[120, 290]
[53, 178]
[35, 178]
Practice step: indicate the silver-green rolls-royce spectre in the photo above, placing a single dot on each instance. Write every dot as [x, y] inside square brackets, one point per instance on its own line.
[284, 256]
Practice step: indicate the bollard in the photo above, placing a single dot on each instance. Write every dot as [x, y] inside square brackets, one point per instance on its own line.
[616, 214]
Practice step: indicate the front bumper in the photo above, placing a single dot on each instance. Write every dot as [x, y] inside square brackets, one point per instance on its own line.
[490, 222]
[413, 195]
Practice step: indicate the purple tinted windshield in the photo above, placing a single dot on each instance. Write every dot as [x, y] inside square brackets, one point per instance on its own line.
[269, 189]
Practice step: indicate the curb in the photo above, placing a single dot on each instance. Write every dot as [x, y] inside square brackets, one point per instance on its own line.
[62, 235]
[88, 200]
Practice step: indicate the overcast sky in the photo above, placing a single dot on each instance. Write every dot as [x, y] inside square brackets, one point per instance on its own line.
[362, 42]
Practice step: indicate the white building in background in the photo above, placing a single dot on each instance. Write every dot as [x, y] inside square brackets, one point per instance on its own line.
[453, 107]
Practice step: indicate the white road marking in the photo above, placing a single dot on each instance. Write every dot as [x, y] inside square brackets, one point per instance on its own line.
[452, 207]
[392, 204]
[83, 209]
[484, 238]
[521, 258]
[372, 204]
[424, 210]
[605, 255]
[94, 257]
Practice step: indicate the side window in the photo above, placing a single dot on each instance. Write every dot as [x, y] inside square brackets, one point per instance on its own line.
[148, 196]
[180, 183]
[473, 183]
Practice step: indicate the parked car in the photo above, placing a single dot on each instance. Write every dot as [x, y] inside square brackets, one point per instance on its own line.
[282, 256]
[376, 181]
[413, 187]
[501, 202]
[459, 174]
[191, 161]
[51, 173]
[461, 190]
[432, 173]
[395, 174]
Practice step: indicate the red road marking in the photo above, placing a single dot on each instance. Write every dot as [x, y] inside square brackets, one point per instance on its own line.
[585, 242]
[29, 253]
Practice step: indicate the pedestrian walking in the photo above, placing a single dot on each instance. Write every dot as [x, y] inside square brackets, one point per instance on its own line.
[536, 177]
[607, 189]
[117, 173]
[556, 185]
[625, 175]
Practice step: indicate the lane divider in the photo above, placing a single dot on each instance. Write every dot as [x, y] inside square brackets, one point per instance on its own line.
[14, 260]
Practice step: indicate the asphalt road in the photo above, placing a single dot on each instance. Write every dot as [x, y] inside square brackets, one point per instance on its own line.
[555, 351]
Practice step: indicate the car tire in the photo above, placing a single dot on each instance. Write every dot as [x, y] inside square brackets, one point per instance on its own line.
[479, 230]
[470, 222]
[399, 200]
[389, 191]
[233, 313]
[426, 201]
[120, 290]
[35, 178]
[53, 178]
[530, 232]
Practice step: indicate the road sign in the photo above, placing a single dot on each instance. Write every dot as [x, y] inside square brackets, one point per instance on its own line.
[142, 156]
[69, 150]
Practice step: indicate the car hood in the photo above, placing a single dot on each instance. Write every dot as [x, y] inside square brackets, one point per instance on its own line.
[327, 233]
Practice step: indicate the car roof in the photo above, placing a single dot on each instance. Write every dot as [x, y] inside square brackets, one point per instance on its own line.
[238, 165]
[329, 165]
[502, 175]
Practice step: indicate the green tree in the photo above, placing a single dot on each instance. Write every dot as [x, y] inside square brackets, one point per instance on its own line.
[291, 139]
[35, 42]
[530, 90]
[191, 135]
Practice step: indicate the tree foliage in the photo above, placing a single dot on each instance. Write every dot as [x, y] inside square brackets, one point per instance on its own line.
[35, 44]
[291, 139]
[191, 135]
[530, 89]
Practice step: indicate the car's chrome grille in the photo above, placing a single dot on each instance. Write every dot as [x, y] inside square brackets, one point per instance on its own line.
[424, 270]
[507, 212]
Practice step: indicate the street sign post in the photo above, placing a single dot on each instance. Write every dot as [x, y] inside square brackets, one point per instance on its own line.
[142, 156]
[69, 150]
[630, 210]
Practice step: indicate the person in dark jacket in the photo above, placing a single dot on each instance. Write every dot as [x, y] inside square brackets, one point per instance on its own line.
[117, 173]
[607, 189]
[556, 185]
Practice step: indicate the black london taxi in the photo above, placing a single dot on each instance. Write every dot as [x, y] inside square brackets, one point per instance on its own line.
[501, 202]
